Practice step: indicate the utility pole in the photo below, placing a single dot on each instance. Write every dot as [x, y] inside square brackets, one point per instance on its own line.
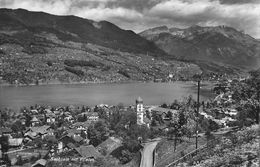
[197, 78]
[197, 113]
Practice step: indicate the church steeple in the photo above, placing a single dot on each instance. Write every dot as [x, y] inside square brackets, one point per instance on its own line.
[140, 111]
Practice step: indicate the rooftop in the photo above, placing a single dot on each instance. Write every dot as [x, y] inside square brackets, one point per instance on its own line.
[42, 162]
[88, 151]
[163, 110]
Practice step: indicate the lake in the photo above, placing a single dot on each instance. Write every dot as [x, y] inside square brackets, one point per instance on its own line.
[92, 94]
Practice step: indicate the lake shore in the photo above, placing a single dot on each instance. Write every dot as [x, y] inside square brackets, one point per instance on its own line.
[70, 83]
[205, 84]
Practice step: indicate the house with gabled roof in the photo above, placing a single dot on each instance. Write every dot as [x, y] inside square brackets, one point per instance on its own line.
[40, 163]
[50, 118]
[15, 142]
[38, 131]
[163, 112]
[82, 125]
[76, 140]
[89, 152]
[69, 118]
[63, 142]
[109, 145]
[34, 111]
[35, 121]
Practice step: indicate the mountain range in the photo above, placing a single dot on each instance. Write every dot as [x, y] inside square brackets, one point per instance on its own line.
[76, 29]
[37, 47]
[219, 46]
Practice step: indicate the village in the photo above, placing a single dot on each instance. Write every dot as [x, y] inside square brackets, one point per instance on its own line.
[47, 136]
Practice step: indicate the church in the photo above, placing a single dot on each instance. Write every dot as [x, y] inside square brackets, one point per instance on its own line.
[140, 111]
[139, 107]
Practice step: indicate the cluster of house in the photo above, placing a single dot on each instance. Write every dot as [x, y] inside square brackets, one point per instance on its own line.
[42, 131]
[50, 117]
[71, 137]
[222, 116]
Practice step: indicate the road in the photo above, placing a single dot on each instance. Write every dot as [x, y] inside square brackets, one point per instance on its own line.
[147, 154]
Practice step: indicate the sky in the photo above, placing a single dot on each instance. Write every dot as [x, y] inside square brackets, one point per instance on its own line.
[138, 15]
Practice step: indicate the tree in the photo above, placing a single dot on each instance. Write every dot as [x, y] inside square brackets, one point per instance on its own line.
[247, 110]
[169, 115]
[247, 95]
[102, 113]
[182, 119]
[4, 115]
[190, 127]
[98, 133]
[157, 117]
[126, 156]
[115, 117]
[164, 105]
[4, 143]
[213, 125]
[153, 123]
[120, 106]
[209, 137]
[174, 130]
[83, 109]
[28, 119]
[148, 115]
[175, 105]
[127, 118]
[17, 126]
[205, 125]
[67, 109]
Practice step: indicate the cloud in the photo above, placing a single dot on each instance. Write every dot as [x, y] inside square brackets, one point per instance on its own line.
[104, 13]
[138, 15]
[60, 7]
[243, 16]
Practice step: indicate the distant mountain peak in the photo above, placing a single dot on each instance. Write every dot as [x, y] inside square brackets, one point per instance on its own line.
[219, 45]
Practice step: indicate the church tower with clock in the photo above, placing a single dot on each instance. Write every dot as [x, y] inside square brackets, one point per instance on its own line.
[140, 111]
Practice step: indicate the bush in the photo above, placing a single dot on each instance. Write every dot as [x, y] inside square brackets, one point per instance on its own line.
[126, 156]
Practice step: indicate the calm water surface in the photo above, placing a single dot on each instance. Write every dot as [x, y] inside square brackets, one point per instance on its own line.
[92, 94]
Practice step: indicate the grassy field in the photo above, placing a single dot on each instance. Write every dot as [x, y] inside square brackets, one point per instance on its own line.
[166, 154]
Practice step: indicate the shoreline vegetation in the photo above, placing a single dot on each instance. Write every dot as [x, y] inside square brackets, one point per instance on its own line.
[208, 84]
[70, 83]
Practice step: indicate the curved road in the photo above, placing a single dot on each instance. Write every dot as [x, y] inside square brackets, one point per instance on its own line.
[147, 154]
